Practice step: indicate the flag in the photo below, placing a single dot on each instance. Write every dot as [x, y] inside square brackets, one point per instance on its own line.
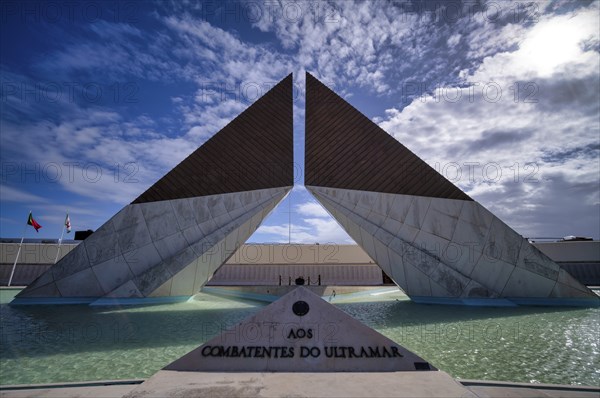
[68, 223]
[33, 223]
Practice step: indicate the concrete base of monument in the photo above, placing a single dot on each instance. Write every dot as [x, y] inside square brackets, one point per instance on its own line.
[183, 384]
[167, 383]
[271, 293]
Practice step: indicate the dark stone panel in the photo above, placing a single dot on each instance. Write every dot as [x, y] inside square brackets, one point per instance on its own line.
[345, 149]
[254, 151]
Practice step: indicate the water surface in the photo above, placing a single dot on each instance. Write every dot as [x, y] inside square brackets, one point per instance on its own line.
[45, 344]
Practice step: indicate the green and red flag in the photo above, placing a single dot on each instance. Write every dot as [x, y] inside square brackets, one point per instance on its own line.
[33, 223]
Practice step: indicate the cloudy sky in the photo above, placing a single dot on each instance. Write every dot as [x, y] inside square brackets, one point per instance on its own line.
[100, 99]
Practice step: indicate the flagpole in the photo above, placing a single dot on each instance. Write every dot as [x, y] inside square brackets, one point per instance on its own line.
[18, 253]
[59, 243]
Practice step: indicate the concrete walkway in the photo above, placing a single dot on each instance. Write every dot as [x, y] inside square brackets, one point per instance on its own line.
[390, 384]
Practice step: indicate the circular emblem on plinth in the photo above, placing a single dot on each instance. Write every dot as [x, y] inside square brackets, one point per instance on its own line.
[300, 308]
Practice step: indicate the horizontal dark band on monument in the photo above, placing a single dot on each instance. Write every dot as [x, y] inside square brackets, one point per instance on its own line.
[254, 151]
[345, 149]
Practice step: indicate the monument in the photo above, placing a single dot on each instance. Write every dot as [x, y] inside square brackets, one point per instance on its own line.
[432, 239]
[169, 241]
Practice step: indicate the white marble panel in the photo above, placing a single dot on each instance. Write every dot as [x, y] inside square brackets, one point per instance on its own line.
[432, 244]
[232, 243]
[47, 290]
[232, 202]
[192, 234]
[376, 218]
[439, 224]
[247, 199]
[128, 289]
[476, 290]
[216, 205]
[449, 207]
[180, 260]
[222, 220]
[183, 282]
[417, 212]
[368, 244]
[351, 196]
[363, 223]
[416, 281]
[42, 280]
[453, 282]
[437, 290]
[503, 243]
[215, 261]
[201, 276]
[474, 213]
[200, 209]
[422, 261]
[408, 233]
[384, 236]
[112, 273]
[397, 268]
[132, 236]
[566, 279]
[237, 212]
[399, 246]
[352, 229]
[492, 273]
[142, 258]
[163, 290]
[401, 207]
[208, 226]
[152, 279]
[80, 284]
[465, 249]
[170, 245]
[523, 283]
[392, 226]
[127, 216]
[333, 212]
[366, 200]
[533, 260]
[469, 234]
[75, 261]
[102, 245]
[383, 259]
[561, 290]
[183, 212]
[384, 204]
[160, 219]
[461, 258]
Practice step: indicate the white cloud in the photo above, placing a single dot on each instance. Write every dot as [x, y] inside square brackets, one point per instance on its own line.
[316, 230]
[311, 209]
[454, 40]
[522, 132]
[10, 194]
[553, 45]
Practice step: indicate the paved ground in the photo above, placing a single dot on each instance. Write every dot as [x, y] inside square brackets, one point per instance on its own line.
[398, 384]
[108, 389]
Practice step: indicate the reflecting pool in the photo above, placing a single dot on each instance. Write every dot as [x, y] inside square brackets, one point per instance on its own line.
[44, 344]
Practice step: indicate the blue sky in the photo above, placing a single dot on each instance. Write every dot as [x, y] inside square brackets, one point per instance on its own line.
[100, 99]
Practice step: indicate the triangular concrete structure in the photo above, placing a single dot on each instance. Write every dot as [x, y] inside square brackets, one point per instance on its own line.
[300, 332]
[172, 238]
[433, 240]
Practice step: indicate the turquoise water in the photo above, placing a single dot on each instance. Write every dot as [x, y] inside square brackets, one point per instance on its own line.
[43, 344]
